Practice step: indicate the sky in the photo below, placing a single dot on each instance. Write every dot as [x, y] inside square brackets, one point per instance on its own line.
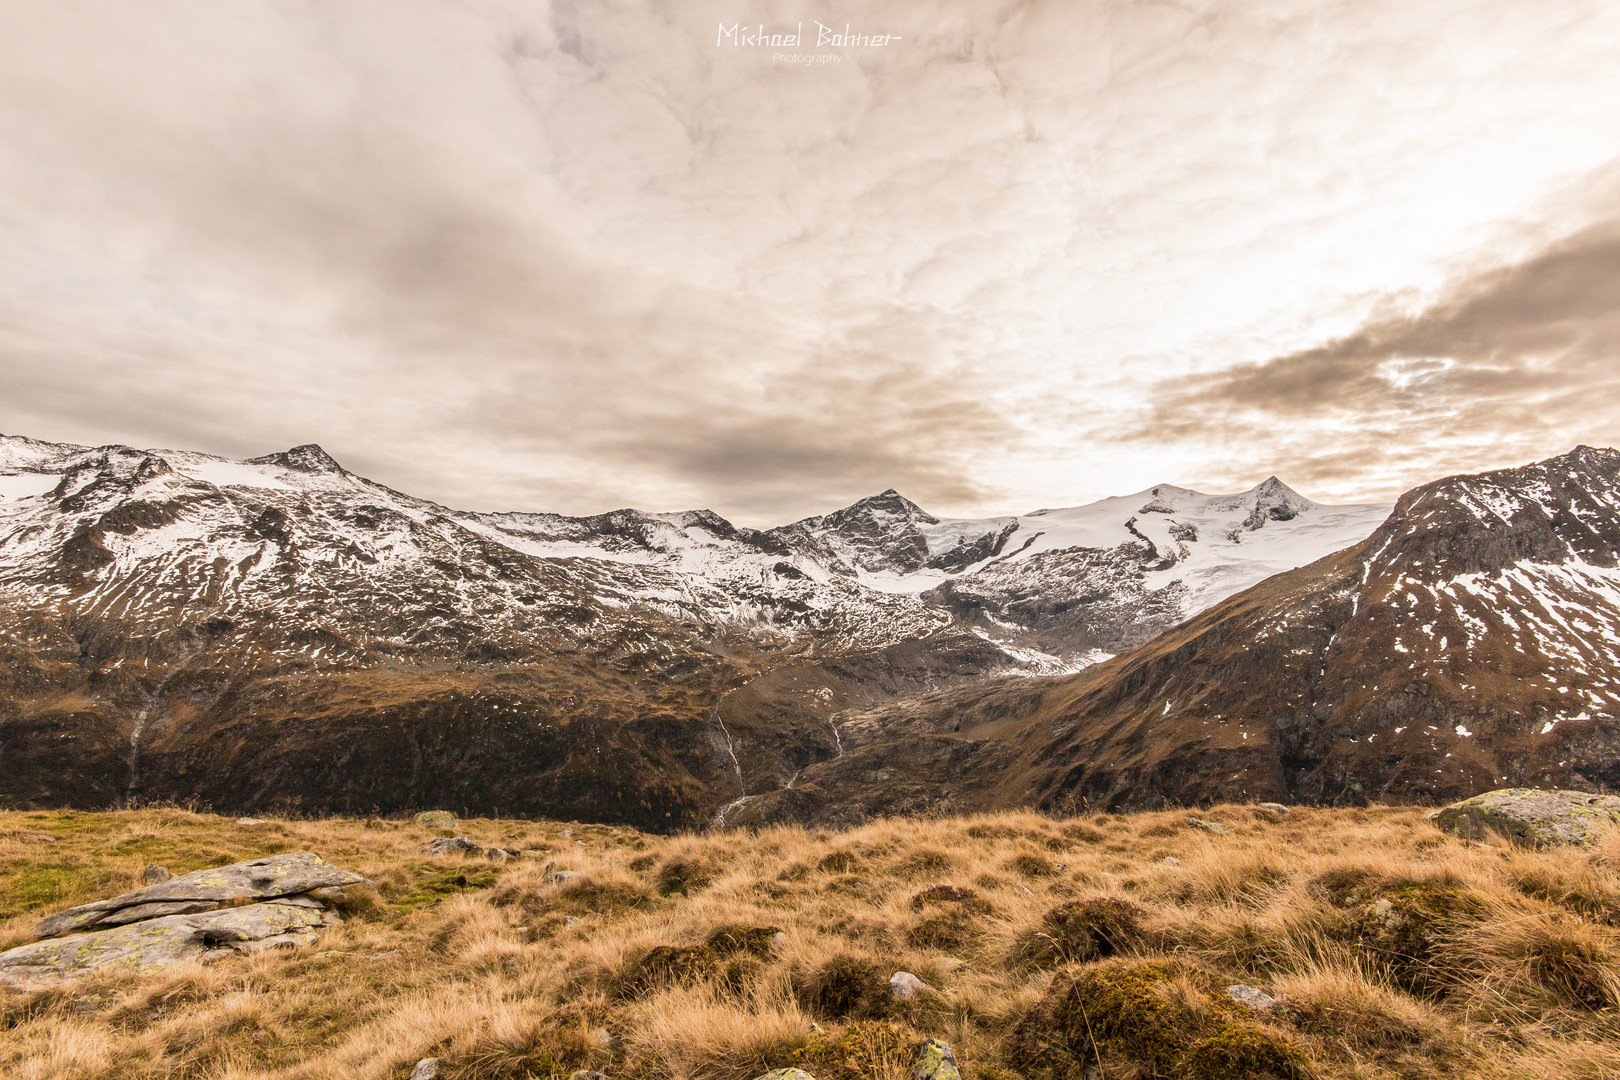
[573, 256]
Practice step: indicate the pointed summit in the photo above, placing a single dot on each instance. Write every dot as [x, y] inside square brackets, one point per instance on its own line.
[306, 458]
[889, 503]
[1274, 501]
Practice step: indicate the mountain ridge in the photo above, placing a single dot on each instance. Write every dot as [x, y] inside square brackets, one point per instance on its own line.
[281, 631]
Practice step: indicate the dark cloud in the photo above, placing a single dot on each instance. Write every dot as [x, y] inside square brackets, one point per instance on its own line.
[1511, 362]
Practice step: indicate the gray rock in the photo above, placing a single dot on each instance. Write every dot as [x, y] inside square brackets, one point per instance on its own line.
[935, 1061]
[251, 821]
[450, 845]
[438, 819]
[788, 1074]
[587, 1074]
[260, 879]
[496, 854]
[1274, 807]
[566, 833]
[426, 1069]
[1214, 828]
[905, 986]
[561, 877]
[155, 944]
[141, 912]
[152, 875]
[1170, 861]
[570, 920]
[1532, 816]
[1258, 1000]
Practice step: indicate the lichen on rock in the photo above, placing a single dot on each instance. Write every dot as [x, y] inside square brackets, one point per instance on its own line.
[1531, 816]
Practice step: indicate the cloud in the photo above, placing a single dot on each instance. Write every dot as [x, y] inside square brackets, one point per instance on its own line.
[572, 256]
[1509, 363]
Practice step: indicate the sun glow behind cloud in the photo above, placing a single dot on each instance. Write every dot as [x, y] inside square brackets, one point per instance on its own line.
[574, 256]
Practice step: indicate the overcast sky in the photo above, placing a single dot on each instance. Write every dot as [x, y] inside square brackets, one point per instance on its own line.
[577, 255]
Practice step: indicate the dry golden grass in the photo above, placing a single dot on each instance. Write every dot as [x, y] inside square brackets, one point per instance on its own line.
[1394, 951]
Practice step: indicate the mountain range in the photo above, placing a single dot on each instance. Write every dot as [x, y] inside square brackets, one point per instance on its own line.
[281, 633]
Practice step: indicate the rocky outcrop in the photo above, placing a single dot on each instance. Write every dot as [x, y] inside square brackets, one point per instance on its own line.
[276, 877]
[243, 907]
[1531, 816]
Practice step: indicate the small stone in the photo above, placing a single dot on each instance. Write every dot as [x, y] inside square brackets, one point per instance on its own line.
[1214, 828]
[496, 854]
[1258, 1000]
[250, 821]
[561, 877]
[450, 845]
[384, 955]
[935, 1061]
[788, 1074]
[437, 819]
[566, 833]
[152, 875]
[1171, 861]
[905, 986]
[587, 1074]
[581, 843]
[603, 1038]
[426, 1069]
[571, 920]
[1274, 807]
[779, 940]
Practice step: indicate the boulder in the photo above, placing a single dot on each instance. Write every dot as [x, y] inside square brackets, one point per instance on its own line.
[1214, 828]
[935, 1061]
[1274, 807]
[261, 879]
[251, 821]
[1532, 816]
[426, 1069]
[450, 845]
[905, 986]
[152, 875]
[438, 819]
[153, 944]
[1258, 1000]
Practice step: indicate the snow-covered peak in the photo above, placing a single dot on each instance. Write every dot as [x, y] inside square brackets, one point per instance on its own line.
[306, 458]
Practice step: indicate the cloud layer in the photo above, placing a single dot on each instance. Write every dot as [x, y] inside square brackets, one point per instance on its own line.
[574, 255]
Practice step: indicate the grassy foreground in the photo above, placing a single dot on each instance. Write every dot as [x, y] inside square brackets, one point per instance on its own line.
[1055, 949]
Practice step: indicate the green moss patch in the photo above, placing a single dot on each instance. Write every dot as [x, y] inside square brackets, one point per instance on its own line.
[845, 987]
[1162, 1018]
[1089, 929]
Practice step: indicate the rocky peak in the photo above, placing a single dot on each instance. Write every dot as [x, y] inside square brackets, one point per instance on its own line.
[878, 533]
[1563, 509]
[1274, 501]
[306, 458]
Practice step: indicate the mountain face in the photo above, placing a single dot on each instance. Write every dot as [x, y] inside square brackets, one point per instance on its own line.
[282, 632]
[1471, 642]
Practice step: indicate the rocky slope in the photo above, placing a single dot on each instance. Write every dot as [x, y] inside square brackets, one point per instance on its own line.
[1469, 643]
[280, 631]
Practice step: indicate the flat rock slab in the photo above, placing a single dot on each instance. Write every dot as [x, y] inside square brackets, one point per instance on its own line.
[155, 944]
[260, 879]
[1532, 816]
